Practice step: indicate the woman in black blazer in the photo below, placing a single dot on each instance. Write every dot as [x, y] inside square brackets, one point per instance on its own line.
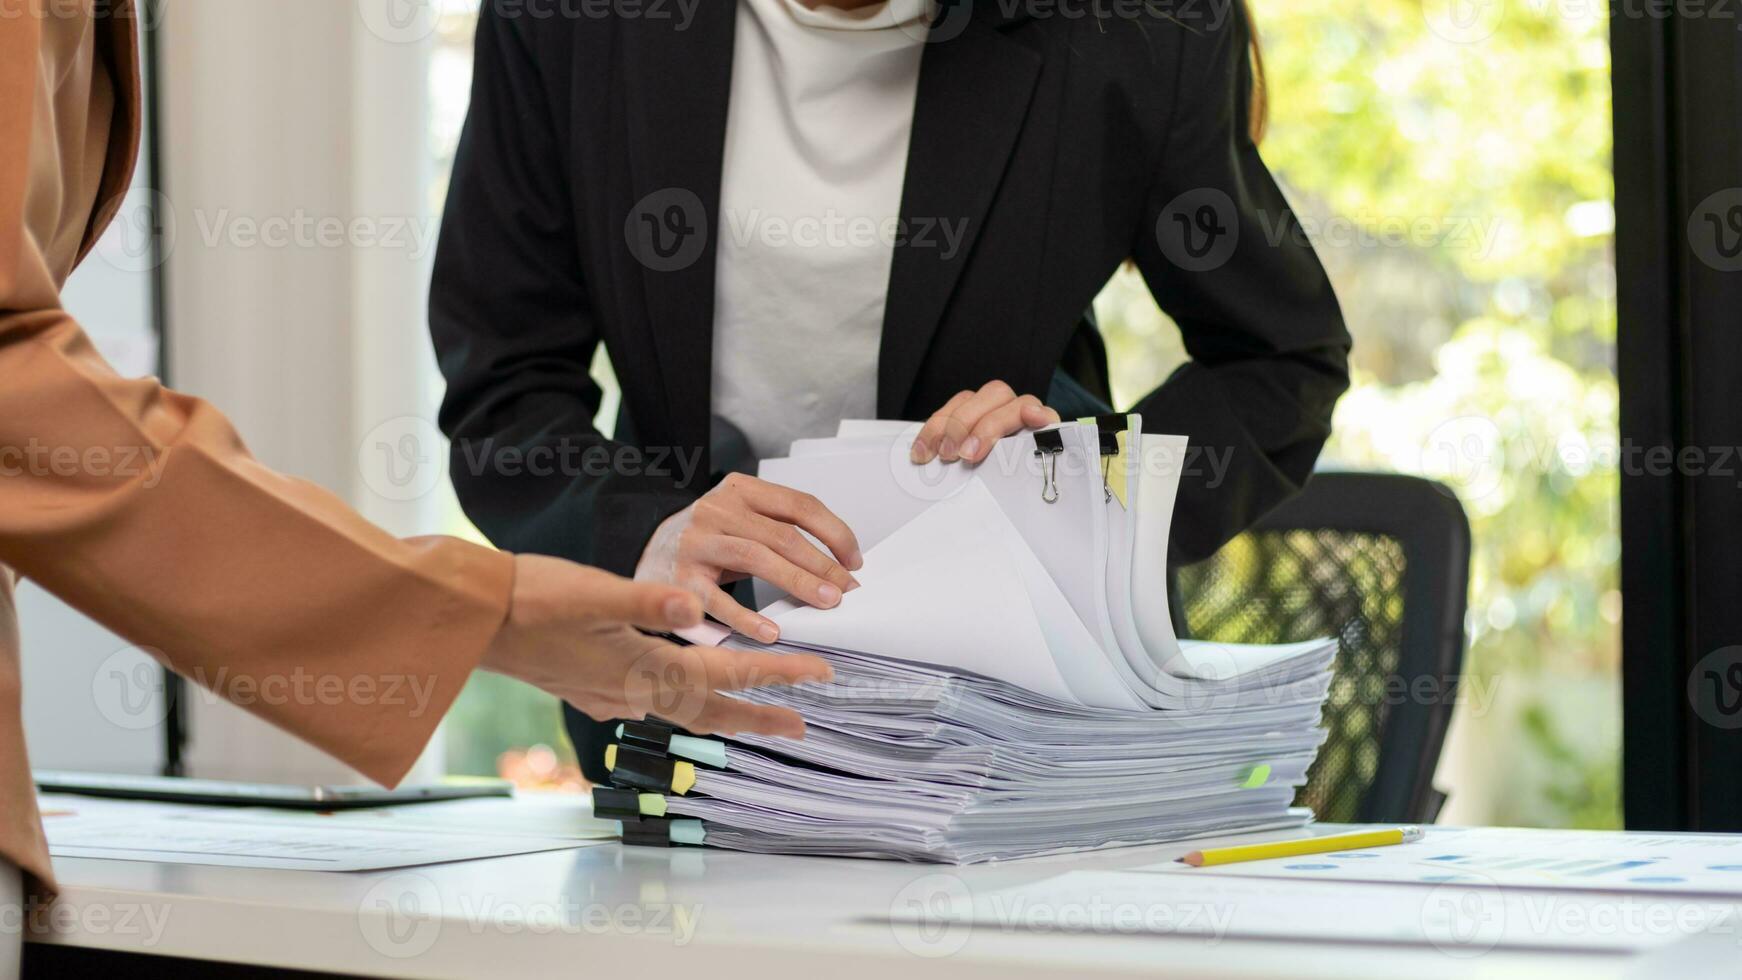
[1054, 140]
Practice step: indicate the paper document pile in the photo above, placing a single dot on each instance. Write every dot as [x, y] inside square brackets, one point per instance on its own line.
[1008, 680]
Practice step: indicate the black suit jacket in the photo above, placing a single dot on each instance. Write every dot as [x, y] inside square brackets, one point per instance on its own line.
[584, 207]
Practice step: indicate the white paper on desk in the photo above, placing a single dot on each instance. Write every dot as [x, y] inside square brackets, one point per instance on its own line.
[1456, 919]
[958, 587]
[1585, 860]
[552, 816]
[293, 845]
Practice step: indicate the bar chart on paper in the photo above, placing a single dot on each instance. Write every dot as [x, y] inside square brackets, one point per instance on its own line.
[1599, 860]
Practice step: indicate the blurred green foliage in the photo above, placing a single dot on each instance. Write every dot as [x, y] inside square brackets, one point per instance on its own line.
[1460, 196]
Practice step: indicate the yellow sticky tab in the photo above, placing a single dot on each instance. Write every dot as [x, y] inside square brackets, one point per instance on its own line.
[1256, 776]
[610, 756]
[652, 805]
[1119, 471]
[683, 778]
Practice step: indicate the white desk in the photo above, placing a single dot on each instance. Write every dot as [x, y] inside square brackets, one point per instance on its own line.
[612, 911]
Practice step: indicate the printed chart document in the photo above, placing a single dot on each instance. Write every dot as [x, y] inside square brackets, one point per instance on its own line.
[82, 827]
[1592, 860]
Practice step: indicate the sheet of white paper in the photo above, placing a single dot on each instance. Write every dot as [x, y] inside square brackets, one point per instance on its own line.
[552, 816]
[296, 843]
[1597, 860]
[955, 551]
[1456, 919]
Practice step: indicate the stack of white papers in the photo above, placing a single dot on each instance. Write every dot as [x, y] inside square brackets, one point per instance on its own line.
[1008, 681]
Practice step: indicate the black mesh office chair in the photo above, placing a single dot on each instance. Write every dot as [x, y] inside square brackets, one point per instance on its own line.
[1382, 562]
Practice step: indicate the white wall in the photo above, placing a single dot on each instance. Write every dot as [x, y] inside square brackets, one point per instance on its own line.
[296, 173]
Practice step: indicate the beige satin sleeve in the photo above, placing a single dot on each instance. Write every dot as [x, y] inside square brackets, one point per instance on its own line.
[142, 508]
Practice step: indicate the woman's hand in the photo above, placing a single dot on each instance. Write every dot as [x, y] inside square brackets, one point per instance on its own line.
[968, 424]
[571, 631]
[749, 527]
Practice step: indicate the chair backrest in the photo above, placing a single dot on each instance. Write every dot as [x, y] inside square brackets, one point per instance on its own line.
[1381, 561]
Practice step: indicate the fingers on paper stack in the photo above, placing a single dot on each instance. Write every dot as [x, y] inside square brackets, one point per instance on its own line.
[1008, 681]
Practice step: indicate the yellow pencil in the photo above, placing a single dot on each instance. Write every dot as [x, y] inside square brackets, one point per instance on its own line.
[1304, 845]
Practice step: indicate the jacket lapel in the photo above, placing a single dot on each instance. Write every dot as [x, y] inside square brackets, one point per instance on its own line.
[118, 46]
[677, 89]
[974, 92]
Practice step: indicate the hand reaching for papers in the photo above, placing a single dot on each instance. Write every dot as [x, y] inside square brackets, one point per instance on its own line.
[968, 424]
[570, 630]
[748, 527]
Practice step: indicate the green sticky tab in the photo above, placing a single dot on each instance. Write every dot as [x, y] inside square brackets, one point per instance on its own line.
[688, 832]
[652, 805]
[1255, 777]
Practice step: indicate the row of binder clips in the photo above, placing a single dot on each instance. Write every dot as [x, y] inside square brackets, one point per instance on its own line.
[1049, 445]
[649, 762]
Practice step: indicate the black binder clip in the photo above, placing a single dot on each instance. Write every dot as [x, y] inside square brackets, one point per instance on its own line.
[1107, 428]
[649, 735]
[639, 769]
[1049, 444]
[612, 803]
[651, 832]
[665, 832]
